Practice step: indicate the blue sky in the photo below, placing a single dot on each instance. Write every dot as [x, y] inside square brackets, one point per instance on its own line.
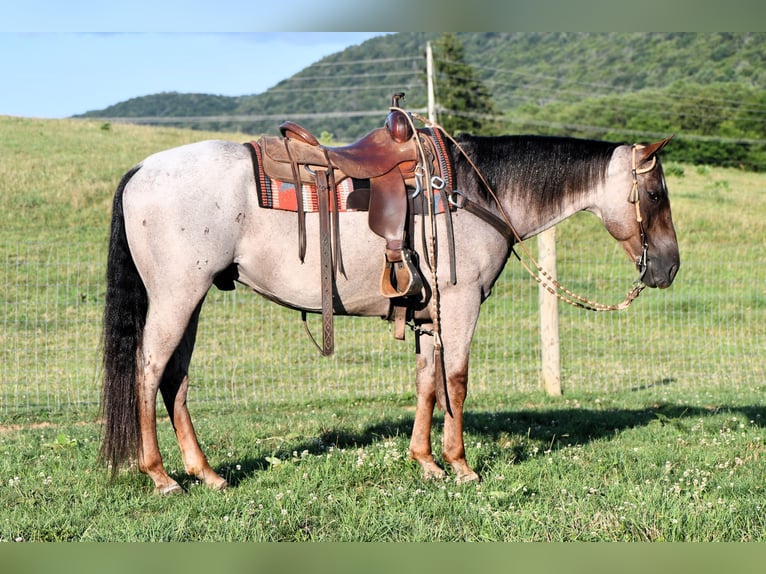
[59, 74]
[59, 58]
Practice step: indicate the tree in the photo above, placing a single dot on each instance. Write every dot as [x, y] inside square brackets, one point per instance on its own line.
[464, 104]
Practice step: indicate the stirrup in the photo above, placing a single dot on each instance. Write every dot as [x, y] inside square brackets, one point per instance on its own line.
[400, 277]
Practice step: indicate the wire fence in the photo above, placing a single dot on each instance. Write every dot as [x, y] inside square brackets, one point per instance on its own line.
[705, 331]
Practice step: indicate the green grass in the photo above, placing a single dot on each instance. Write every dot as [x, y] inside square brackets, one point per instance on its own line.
[659, 435]
[588, 468]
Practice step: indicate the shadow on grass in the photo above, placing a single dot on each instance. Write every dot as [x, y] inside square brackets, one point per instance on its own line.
[553, 427]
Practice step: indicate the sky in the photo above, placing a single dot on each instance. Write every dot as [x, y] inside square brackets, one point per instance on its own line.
[58, 59]
[60, 74]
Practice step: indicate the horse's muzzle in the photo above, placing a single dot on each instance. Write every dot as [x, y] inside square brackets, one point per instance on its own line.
[661, 273]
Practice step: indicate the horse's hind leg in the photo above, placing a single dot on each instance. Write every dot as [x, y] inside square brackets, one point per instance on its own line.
[166, 326]
[174, 387]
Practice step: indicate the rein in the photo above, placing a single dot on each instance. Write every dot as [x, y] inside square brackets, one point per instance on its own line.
[505, 227]
[442, 393]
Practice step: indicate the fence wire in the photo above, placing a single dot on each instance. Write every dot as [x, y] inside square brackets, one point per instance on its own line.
[705, 331]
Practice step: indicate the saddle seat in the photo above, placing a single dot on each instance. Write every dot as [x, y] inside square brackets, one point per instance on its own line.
[372, 156]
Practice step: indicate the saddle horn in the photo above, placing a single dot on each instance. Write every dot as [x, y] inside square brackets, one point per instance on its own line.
[397, 122]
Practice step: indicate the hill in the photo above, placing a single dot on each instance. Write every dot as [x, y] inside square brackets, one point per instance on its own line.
[170, 104]
[706, 87]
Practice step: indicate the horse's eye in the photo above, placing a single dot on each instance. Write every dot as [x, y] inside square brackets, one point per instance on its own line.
[654, 195]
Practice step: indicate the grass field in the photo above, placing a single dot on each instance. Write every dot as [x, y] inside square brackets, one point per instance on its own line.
[659, 435]
[603, 468]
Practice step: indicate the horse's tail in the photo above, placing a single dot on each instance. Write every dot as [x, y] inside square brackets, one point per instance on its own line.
[123, 324]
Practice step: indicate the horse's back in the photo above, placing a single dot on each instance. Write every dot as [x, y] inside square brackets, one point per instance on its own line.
[199, 158]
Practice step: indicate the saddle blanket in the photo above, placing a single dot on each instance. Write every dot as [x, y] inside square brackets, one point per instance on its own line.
[350, 194]
[274, 194]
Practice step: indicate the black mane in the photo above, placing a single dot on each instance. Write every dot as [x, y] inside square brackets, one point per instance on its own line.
[541, 169]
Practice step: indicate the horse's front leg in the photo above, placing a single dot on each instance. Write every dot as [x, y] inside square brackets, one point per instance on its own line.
[420, 442]
[453, 447]
[460, 311]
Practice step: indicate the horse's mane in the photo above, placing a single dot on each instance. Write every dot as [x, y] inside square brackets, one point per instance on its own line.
[541, 169]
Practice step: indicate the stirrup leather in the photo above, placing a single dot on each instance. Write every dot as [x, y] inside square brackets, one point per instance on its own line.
[400, 277]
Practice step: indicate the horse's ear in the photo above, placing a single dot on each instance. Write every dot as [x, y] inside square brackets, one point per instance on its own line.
[651, 149]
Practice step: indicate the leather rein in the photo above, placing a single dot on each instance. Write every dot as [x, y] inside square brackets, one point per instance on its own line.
[504, 226]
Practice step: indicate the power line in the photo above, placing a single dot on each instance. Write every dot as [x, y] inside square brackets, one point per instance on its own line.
[566, 92]
[370, 61]
[368, 113]
[345, 76]
[392, 87]
[707, 102]
[600, 129]
[610, 89]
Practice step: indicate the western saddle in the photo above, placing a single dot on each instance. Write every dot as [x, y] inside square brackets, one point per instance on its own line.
[387, 157]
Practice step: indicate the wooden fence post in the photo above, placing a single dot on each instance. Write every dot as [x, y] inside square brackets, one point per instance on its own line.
[549, 317]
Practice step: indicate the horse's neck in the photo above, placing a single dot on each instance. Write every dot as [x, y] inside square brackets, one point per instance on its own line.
[529, 219]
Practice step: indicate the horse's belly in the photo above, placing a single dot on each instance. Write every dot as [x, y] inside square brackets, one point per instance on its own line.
[268, 261]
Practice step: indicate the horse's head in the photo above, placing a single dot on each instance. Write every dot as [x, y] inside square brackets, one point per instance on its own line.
[637, 214]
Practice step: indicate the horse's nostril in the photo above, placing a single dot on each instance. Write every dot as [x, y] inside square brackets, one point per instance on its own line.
[672, 272]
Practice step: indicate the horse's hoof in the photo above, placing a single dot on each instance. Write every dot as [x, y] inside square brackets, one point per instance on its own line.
[433, 472]
[467, 477]
[171, 489]
[211, 479]
[463, 472]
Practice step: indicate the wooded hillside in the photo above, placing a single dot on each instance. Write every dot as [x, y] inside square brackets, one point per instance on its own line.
[708, 88]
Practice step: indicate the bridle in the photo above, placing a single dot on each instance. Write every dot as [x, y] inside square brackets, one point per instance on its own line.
[635, 199]
[546, 280]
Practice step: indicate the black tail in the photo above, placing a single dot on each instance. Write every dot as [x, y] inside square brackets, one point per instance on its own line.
[124, 319]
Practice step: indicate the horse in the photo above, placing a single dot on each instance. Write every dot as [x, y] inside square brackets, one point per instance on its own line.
[187, 218]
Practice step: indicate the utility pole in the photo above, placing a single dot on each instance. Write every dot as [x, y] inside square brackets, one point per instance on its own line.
[430, 82]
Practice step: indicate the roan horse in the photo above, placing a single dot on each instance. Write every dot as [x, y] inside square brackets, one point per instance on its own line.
[185, 217]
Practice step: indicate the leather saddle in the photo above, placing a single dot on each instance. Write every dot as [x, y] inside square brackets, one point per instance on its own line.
[387, 157]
